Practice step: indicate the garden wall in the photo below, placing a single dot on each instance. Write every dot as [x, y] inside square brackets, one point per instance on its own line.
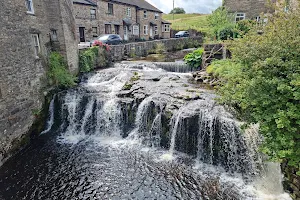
[141, 49]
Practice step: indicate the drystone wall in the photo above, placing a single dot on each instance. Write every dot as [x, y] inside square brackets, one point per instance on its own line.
[140, 49]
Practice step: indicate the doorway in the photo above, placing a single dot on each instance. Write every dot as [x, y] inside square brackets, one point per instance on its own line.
[81, 34]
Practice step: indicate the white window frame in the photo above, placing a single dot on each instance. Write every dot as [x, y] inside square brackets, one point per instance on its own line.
[240, 16]
[145, 30]
[145, 14]
[135, 30]
[93, 15]
[128, 12]
[166, 28]
[156, 17]
[155, 30]
[29, 6]
[36, 44]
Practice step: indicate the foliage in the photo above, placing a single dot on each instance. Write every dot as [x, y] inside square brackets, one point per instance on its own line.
[87, 59]
[220, 21]
[194, 59]
[262, 83]
[101, 45]
[177, 11]
[160, 48]
[58, 71]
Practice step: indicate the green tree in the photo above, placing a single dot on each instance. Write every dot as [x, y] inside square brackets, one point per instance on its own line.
[262, 82]
[177, 11]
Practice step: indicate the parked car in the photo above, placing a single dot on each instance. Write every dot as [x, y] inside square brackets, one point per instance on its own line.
[182, 34]
[110, 39]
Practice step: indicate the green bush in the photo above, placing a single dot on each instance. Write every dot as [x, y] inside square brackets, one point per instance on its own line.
[58, 72]
[226, 32]
[87, 59]
[262, 83]
[194, 59]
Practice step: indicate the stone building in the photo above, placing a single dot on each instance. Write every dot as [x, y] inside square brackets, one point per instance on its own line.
[246, 9]
[30, 29]
[131, 19]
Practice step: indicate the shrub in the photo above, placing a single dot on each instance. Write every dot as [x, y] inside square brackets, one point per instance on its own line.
[58, 72]
[226, 32]
[265, 87]
[194, 59]
[87, 59]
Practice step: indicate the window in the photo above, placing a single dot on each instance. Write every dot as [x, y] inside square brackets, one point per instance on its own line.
[95, 31]
[117, 29]
[145, 29]
[107, 29]
[29, 6]
[110, 9]
[136, 30]
[145, 14]
[155, 30]
[156, 16]
[128, 12]
[239, 17]
[93, 13]
[166, 28]
[54, 35]
[36, 44]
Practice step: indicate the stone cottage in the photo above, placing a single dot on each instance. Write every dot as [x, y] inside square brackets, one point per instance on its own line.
[252, 9]
[29, 30]
[131, 19]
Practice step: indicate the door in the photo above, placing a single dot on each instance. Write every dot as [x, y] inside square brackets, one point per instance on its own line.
[151, 31]
[125, 32]
[81, 34]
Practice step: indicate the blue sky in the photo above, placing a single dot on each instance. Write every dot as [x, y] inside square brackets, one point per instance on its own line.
[190, 6]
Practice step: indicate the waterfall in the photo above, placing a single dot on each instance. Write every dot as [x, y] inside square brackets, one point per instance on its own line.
[155, 113]
[50, 120]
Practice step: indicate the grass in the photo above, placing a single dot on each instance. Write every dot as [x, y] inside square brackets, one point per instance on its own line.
[188, 21]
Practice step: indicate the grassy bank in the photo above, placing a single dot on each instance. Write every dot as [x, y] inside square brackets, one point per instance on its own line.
[188, 21]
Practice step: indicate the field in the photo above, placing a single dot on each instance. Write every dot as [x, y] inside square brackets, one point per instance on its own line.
[188, 21]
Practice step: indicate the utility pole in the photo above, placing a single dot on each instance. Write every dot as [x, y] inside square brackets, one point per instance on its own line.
[173, 8]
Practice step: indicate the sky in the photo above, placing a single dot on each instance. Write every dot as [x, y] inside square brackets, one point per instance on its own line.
[190, 6]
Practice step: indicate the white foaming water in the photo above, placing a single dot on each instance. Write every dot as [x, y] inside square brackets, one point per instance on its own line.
[87, 114]
[72, 135]
[140, 119]
[50, 120]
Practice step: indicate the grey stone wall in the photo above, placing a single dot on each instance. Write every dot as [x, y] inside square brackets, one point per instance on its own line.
[22, 74]
[140, 49]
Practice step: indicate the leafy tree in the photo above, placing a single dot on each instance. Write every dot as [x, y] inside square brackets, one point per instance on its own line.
[262, 82]
[177, 11]
[221, 21]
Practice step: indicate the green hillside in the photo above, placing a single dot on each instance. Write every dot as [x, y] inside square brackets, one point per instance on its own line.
[187, 21]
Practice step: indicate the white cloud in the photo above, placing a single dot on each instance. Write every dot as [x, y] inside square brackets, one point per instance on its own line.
[190, 6]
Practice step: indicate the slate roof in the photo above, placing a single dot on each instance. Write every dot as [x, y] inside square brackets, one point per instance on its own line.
[85, 2]
[165, 22]
[140, 4]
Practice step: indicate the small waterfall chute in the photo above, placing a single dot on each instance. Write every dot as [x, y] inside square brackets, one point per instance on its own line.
[50, 120]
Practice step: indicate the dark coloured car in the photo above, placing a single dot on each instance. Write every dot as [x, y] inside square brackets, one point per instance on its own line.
[110, 39]
[182, 34]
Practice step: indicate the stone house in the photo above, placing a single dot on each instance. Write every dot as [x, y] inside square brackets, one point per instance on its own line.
[252, 9]
[29, 30]
[246, 9]
[131, 19]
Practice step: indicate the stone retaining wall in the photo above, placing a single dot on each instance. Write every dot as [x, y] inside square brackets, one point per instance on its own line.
[292, 181]
[141, 49]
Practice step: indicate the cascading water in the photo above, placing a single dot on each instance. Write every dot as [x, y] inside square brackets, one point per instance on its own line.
[50, 120]
[197, 148]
